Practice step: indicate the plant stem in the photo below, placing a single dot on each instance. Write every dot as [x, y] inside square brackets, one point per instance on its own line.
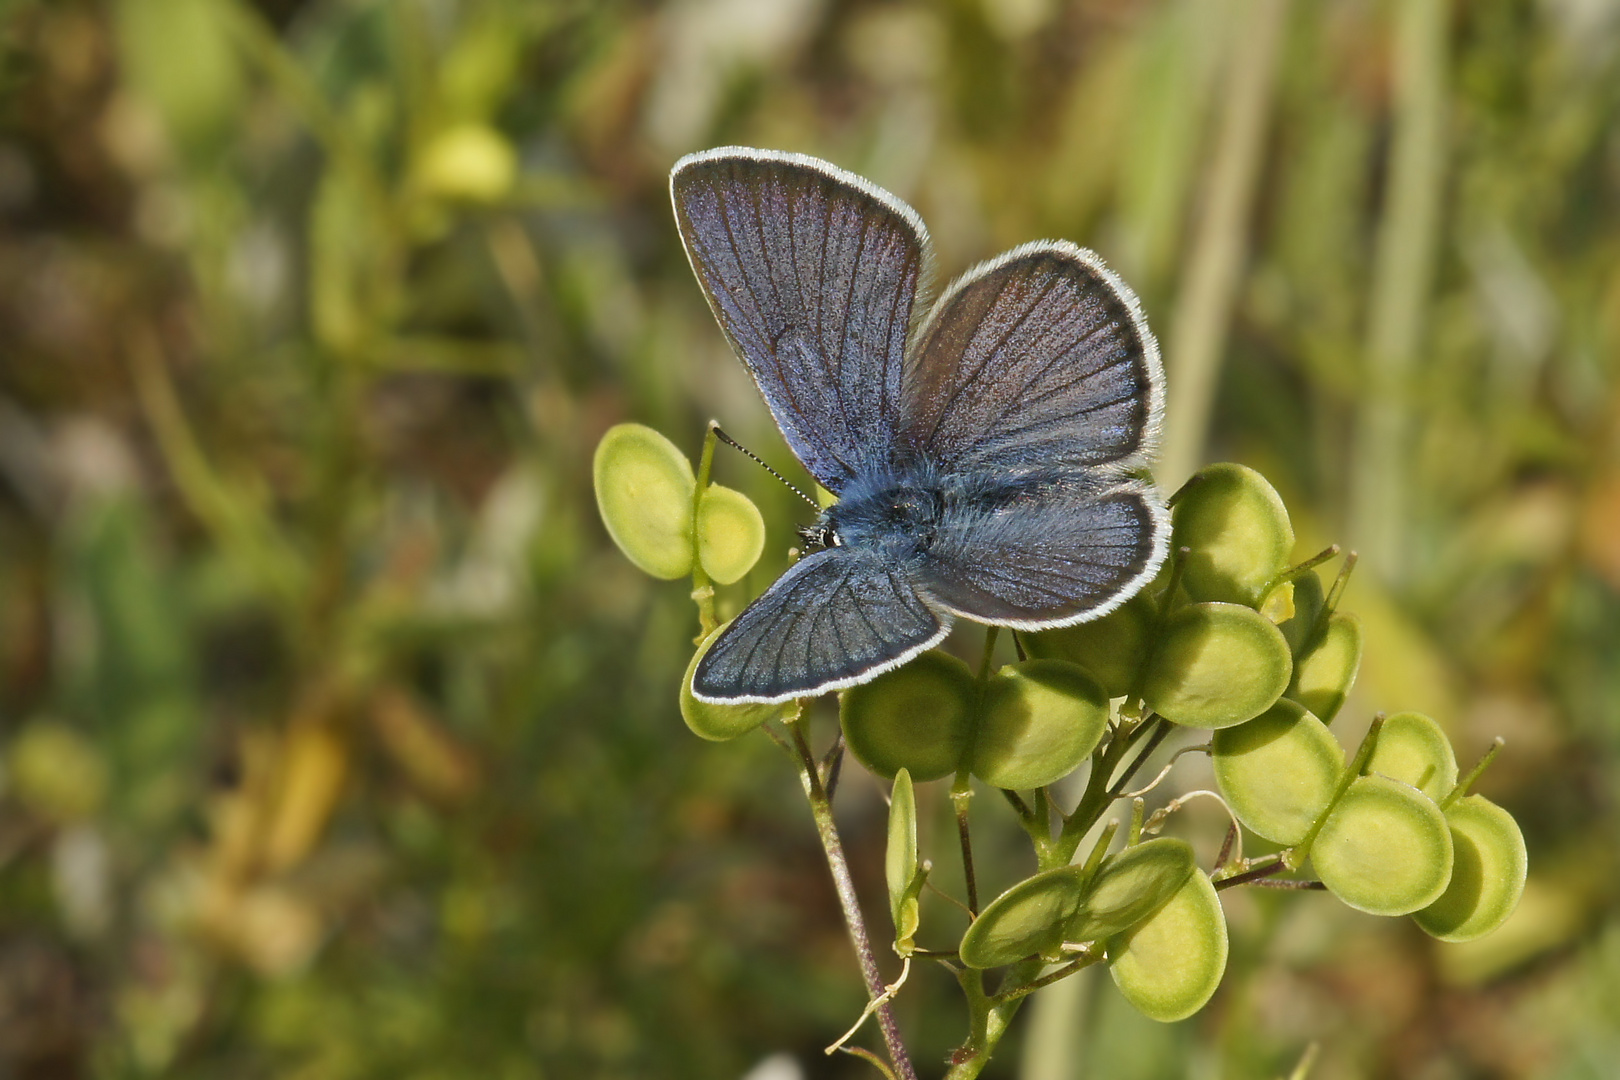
[1099, 794]
[1295, 857]
[962, 787]
[961, 796]
[702, 587]
[1006, 997]
[832, 846]
[992, 1015]
[1473, 774]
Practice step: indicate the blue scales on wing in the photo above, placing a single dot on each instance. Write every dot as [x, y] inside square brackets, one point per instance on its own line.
[1037, 359]
[1035, 385]
[812, 273]
[1045, 548]
[832, 620]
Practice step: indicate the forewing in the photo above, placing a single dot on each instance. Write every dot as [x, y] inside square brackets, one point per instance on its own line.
[836, 618]
[1039, 358]
[812, 273]
[1047, 550]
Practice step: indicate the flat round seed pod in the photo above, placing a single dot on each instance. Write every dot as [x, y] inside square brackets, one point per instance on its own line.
[1111, 648]
[717, 723]
[1169, 965]
[1217, 665]
[1278, 772]
[1238, 531]
[918, 717]
[1412, 749]
[1026, 920]
[1308, 601]
[644, 491]
[1040, 720]
[1324, 675]
[1487, 872]
[900, 859]
[1385, 848]
[1278, 604]
[730, 534]
[1130, 886]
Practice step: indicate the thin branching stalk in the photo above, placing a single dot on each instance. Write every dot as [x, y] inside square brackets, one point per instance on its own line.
[833, 847]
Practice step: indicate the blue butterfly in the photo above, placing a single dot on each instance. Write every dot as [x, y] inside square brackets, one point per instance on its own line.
[989, 452]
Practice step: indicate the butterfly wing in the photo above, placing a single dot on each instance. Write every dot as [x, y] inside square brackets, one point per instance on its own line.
[812, 273]
[1036, 385]
[1046, 549]
[1037, 359]
[836, 618]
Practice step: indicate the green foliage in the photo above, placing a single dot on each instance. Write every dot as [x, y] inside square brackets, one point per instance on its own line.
[1384, 848]
[644, 489]
[716, 722]
[1029, 919]
[1237, 533]
[919, 717]
[1278, 772]
[1375, 828]
[1037, 722]
[1111, 648]
[1412, 749]
[1215, 665]
[1487, 876]
[1130, 886]
[1170, 964]
[900, 868]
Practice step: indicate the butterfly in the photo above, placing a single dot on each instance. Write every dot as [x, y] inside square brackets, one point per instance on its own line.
[989, 452]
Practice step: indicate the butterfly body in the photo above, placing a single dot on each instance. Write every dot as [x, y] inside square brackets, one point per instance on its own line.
[988, 454]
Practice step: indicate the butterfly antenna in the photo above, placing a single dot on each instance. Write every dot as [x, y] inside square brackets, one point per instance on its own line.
[735, 445]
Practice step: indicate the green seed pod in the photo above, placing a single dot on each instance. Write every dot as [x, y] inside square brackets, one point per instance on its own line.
[1324, 675]
[1412, 749]
[1040, 720]
[1238, 531]
[1278, 604]
[1130, 886]
[1026, 920]
[1308, 602]
[644, 491]
[1111, 647]
[918, 717]
[900, 861]
[1385, 848]
[714, 722]
[1487, 875]
[730, 533]
[1279, 771]
[1169, 966]
[1217, 665]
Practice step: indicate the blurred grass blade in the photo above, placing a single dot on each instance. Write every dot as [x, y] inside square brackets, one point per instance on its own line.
[1408, 235]
[1220, 246]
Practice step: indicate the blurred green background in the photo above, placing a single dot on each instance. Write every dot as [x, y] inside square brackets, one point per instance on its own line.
[337, 740]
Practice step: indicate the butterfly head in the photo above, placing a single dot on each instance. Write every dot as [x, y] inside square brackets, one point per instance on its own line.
[899, 517]
[819, 536]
